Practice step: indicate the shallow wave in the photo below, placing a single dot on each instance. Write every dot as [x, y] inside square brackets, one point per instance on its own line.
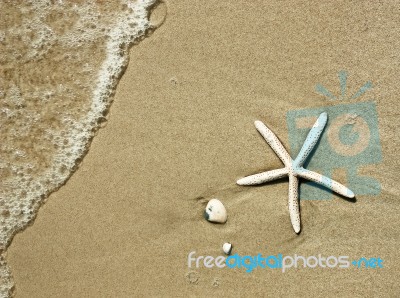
[59, 64]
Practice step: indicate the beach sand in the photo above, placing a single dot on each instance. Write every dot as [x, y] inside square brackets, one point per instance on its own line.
[180, 132]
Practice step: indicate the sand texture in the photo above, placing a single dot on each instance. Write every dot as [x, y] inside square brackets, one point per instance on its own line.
[181, 131]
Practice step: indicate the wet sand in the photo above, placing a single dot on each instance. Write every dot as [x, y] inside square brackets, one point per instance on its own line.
[180, 131]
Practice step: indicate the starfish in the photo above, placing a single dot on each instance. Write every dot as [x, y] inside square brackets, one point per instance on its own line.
[294, 168]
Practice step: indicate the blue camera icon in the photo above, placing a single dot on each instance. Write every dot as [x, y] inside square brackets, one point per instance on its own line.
[350, 141]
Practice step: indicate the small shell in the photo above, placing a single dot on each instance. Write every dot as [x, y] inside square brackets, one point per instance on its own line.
[227, 248]
[215, 211]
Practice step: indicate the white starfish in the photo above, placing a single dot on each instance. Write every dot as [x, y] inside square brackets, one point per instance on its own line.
[294, 168]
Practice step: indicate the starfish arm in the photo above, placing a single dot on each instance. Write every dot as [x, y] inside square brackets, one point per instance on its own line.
[327, 182]
[263, 177]
[311, 140]
[293, 204]
[274, 143]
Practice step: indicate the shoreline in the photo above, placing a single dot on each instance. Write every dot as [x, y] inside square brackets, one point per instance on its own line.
[180, 131]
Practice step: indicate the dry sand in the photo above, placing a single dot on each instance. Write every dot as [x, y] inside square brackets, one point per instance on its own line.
[181, 127]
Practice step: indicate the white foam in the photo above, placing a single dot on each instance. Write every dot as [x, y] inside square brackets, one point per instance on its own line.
[27, 182]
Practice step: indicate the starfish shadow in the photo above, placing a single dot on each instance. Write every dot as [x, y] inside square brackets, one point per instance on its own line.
[350, 200]
[324, 189]
[277, 181]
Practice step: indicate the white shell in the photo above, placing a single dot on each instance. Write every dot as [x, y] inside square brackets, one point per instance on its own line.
[215, 211]
[227, 248]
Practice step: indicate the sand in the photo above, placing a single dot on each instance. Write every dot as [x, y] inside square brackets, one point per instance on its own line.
[180, 131]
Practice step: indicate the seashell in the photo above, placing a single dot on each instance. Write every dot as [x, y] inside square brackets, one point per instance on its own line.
[227, 248]
[215, 211]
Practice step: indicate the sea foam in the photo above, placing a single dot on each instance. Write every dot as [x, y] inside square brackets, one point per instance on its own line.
[59, 64]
